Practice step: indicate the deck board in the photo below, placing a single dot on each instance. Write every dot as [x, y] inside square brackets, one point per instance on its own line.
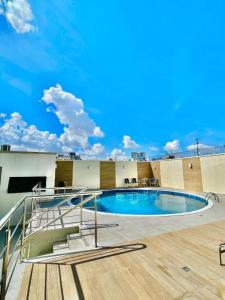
[150, 268]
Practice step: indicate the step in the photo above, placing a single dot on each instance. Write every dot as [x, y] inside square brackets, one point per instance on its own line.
[60, 246]
[73, 236]
[77, 245]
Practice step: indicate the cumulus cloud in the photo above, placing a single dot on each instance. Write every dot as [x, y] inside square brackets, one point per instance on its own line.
[93, 152]
[173, 146]
[78, 127]
[118, 154]
[19, 14]
[200, 146]
[2, 115]
[69, 109]
[98, 132]
[128, 143]
[21, 136]
[153, 148]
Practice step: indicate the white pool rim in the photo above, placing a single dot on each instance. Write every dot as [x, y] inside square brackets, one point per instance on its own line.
[209, 205]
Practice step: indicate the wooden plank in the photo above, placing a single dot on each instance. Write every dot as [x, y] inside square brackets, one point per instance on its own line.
[53, 283]
[107, 175]
[38, 275]
[25, 285]
[68, 283]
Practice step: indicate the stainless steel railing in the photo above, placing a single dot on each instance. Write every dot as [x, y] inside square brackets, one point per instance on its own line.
[92, 195]
[21, 215]
[212, 195]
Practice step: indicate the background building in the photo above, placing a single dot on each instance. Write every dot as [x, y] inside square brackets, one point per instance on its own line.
[141, 156]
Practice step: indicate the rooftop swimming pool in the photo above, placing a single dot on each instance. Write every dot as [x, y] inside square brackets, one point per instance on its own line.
[147, 202]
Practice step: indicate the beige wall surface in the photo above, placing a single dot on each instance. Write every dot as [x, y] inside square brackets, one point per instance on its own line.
[155, 170]
[192, 174]
[213, 173]
[125, 169]
[86, 173]
[172, 173]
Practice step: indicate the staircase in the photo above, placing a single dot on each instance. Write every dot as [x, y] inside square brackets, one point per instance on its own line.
[76, 242]
[40, 232]
[48, 231]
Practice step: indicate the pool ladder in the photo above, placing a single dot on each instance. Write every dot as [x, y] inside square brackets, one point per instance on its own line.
[210, 195]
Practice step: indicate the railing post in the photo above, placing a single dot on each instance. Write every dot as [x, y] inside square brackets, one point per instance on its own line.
[81, 210]
[23, 228]
[96, 227]
[5, 263]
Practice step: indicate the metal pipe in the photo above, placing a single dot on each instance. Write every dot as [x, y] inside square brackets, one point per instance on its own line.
[5, 264]
[62, 215]
[59, 204]
[23, 230]
[96, 227]
[81, 210]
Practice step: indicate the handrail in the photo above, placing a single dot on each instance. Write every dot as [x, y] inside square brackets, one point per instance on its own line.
[93, 195]
[6, 222]
[81, 188]
[208, 196]
[59, 204]
[6, 218]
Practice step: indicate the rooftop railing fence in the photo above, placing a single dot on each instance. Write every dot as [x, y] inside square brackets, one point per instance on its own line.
[191, 153]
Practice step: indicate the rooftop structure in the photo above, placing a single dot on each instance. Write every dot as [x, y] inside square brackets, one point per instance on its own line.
[64, 245]
[139, 156]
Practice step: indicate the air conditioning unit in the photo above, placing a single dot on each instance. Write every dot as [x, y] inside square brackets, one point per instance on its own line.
[5, 148]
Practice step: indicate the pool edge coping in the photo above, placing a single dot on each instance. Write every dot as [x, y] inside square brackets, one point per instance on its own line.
[208, 206]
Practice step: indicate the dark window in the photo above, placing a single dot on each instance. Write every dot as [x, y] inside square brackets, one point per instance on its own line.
[0, 174]
[24, 184]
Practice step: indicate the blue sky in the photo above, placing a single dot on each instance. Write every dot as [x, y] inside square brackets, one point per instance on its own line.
[148, 73]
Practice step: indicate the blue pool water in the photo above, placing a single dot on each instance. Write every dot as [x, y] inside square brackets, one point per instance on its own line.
[147, 202]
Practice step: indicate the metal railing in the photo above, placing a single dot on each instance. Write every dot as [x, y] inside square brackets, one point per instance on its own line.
[210, 195]
[192, 153]
[92, 195]
[22, 214]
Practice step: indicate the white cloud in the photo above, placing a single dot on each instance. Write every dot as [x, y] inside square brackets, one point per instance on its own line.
[2, 115]
[98, 132]
[200, 146]
[128, 143]
[78, 126]
[19, 14]
[93, 152]
[153, 148]
[118, 154]
[21, 136]
[172, 146]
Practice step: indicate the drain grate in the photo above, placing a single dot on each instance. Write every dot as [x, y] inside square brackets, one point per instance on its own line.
[186, 269]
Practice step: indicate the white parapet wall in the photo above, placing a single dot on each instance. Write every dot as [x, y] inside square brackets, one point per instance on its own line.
[172, 173]
[125, 169]
[86, 173]
[213, 173]
[23, 164]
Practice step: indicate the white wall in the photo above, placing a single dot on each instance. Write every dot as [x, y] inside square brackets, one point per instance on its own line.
[125, 169]
[213, 173]
[86, 173]
[20, 164]
[172, 173]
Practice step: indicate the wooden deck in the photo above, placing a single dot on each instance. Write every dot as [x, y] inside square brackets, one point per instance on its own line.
[147, 269]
